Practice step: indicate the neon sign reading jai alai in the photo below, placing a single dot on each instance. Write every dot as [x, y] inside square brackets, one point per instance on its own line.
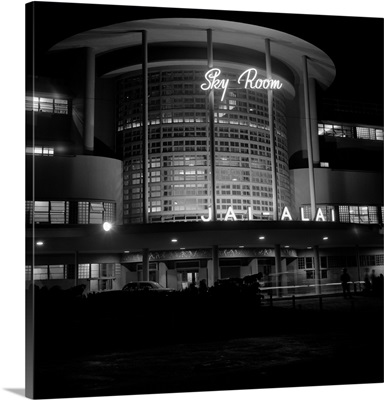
[248, 79]
[285, 215]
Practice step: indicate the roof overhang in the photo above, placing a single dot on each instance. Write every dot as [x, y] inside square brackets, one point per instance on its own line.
[286, 48]
[194, 235]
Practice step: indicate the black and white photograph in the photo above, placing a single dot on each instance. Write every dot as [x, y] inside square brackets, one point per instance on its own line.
[203, 200]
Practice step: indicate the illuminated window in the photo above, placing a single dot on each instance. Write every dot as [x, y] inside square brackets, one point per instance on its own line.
[369, 133]
[47, 105]
[56, 272]
[41, 211]
[28, 272]
[69, 212]
[83, 271]
[358, 132]
[57, 213]
[40, 151]
[40, 272]
[359, 214]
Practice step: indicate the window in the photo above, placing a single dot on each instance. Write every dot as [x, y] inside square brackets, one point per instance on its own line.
[28, 272]
[369, 133]
[57, 212]
[56, 272]
[371, 260]
[40, 272]
[305, 262]
[335, 130]
[101, 276]
[41, 212]
[324, 274]
[310, 274]
[40, 151]
[83, 271]
[352, 132]
[47, 105]
[359, 214]
[69, 212]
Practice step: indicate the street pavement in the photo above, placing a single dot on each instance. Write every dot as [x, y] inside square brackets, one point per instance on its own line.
[336, 342]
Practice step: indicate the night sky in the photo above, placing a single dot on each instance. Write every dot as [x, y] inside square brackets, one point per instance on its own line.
[355, 44]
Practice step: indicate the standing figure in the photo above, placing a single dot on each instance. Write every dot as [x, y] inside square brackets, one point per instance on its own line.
[367, 282]
[345, 279]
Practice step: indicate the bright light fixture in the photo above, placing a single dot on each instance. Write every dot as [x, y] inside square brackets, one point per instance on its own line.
[39, 243]
[107, 226]
[261, 237]
[325, 238]
[174, 240]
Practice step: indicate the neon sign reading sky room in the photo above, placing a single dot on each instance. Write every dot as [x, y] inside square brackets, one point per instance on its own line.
[248, 79]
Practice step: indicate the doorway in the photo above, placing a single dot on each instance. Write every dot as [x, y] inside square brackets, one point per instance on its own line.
[187, 274]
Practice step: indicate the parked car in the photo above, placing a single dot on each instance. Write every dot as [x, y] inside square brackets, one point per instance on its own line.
[146, 286]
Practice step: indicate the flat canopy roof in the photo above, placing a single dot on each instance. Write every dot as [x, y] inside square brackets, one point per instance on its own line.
[195, 235]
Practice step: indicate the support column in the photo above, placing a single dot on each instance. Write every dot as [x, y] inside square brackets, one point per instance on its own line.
[309, 139]
[316, 258]
[272, 132]
[145, 276]
[314, 126]
[211, 99]
[77, 268]
[358, 266]
[278, 268]
[145, 125]
[89, 106]
[215, 262]
[284, 277]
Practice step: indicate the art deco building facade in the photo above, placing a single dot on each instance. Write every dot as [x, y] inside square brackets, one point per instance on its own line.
[168, 129]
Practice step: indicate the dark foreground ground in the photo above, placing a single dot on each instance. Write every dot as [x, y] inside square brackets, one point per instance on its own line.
[208, 345]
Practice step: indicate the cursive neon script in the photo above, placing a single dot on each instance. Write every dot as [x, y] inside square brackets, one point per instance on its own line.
[248, 79]
[214, 83]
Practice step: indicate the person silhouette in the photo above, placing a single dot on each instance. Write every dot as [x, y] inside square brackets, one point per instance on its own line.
[367, 282]
[345, 279]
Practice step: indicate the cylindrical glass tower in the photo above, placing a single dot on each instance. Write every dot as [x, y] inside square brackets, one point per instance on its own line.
[179, 147]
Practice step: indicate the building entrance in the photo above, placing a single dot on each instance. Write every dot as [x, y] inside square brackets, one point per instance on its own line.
[186, 278]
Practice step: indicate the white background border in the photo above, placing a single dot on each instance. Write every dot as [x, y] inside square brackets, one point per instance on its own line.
[12, 132]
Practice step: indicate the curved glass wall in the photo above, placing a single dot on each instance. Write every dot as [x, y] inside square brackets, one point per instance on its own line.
[179, 148]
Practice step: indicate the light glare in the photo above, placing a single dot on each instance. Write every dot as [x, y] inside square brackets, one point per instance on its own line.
[107, 226]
